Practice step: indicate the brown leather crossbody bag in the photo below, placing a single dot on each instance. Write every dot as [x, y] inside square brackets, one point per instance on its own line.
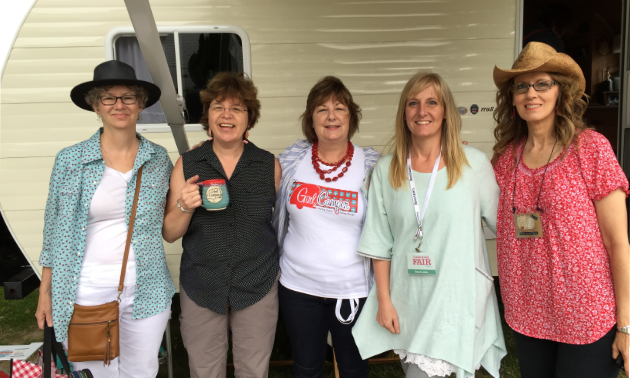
[93, 330]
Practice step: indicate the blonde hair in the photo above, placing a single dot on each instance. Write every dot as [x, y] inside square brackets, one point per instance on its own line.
[452, 150]
[512, 128]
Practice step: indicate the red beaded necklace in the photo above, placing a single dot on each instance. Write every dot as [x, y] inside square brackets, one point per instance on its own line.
[315, 159]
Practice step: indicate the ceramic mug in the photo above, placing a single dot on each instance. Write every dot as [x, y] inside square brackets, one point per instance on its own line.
[214, 194]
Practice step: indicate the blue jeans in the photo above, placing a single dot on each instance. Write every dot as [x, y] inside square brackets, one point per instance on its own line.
[308, 319]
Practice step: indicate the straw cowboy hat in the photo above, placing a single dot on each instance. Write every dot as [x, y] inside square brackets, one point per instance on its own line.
[540, 57]
[109, 73]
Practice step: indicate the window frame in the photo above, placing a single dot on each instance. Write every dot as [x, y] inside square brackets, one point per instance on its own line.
[128, 31]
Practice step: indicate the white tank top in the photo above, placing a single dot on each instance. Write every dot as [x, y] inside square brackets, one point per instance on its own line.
[106, 234]
[326, 218]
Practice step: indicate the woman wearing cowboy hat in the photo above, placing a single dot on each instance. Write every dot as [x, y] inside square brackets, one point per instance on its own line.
[89, 203]
[562, 239]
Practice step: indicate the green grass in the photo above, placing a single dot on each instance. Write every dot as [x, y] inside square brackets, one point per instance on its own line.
[18, 326]
[17, 323]
[17, 318]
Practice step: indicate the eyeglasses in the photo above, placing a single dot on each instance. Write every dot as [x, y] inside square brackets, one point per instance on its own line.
[235, 110]
[540, 86]
[126, 99]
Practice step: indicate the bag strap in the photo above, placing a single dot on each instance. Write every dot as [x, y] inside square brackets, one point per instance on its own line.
[47, 349]
[132, 220]
[53, 348]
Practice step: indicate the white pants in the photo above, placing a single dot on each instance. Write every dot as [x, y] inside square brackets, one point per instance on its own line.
[139, 339]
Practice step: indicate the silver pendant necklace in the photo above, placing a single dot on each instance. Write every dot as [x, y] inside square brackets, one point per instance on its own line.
[111, 165]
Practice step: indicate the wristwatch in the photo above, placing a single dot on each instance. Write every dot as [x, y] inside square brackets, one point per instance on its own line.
[625, 329]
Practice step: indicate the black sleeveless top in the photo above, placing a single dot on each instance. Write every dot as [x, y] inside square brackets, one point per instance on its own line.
[231, 256]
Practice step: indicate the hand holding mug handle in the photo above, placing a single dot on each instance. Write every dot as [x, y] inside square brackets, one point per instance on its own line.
[190, 198]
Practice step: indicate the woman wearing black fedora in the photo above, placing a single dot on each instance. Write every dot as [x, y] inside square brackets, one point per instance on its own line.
[89, 225]
[562, 241]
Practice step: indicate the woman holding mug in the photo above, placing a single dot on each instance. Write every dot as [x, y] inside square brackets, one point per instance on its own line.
[562, 232]
[229, 266]
[87, 218]
[319, 217]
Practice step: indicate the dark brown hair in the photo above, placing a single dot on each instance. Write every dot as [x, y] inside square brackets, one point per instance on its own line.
[325, 89]
[231, 85]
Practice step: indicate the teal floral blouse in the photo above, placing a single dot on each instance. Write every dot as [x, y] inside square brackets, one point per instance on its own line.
[76, 174]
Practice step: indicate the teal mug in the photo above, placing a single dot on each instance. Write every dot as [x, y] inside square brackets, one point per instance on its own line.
[214, 194]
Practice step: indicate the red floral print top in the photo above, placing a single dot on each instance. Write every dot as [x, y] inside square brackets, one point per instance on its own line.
[558, 287]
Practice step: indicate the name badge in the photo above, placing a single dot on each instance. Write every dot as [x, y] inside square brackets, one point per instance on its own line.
[420, 263]
[527, 226]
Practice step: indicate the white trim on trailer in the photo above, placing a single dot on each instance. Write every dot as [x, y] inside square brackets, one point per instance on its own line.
[114, 34]
[129, 31]
[12, 17]
[518, 29]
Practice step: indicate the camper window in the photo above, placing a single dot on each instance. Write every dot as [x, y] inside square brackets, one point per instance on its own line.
[193, 59]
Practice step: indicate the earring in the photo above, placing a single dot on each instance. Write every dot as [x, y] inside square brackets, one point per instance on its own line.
[514, 112]
[139, 117]
[210, 136]
[245, 137]
[98, 117]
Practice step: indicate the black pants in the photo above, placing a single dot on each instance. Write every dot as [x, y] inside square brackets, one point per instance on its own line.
[308, 320]
[540, 358]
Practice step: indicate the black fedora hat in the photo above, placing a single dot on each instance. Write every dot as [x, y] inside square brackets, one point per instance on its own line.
[109, 73]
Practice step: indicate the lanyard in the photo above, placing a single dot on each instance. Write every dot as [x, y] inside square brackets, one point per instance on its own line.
[412, 185]
[541, 181]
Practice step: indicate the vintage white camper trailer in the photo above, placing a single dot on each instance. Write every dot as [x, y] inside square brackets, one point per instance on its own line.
[374, 46]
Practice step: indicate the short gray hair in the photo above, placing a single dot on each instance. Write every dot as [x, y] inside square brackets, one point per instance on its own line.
[93, 94]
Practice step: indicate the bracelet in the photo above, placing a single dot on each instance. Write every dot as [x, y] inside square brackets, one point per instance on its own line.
[625, 329]
[182, 209]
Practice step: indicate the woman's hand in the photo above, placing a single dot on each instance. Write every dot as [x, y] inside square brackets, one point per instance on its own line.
[44, 310]
[197, 145]
[613, 224]
[387, 317]
[622, 345]
[186, 193]
[190, 198]
[44, 304]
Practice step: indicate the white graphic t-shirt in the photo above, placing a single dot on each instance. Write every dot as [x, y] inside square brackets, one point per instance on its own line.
[320, 249]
